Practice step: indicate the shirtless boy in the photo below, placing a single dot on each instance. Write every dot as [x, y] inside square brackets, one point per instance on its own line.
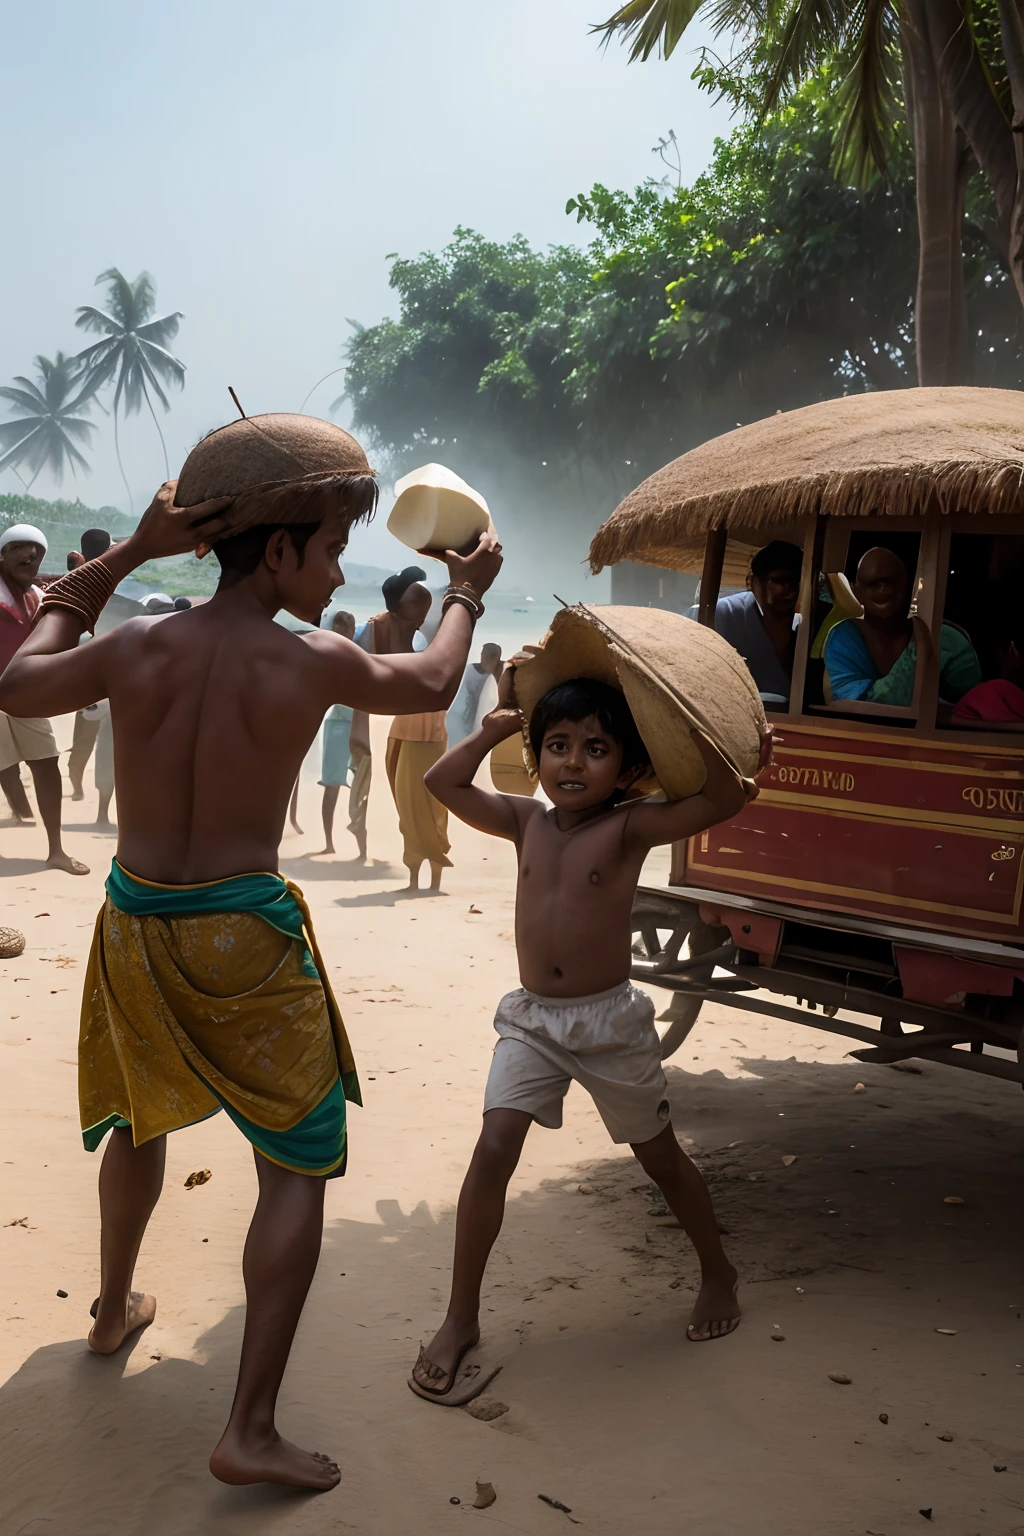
[213, 712]
[577, 1015]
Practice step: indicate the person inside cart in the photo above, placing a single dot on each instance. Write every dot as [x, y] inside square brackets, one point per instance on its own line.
[999, 700]
[762, 622]
[875, 657]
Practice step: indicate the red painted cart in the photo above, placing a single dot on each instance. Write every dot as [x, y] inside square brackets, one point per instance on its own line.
[874, 889]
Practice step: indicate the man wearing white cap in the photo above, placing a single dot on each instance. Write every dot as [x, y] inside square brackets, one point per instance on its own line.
[31, 741]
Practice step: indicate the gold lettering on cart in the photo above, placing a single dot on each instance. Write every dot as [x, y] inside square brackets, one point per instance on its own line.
[984, 798]
[814, 778]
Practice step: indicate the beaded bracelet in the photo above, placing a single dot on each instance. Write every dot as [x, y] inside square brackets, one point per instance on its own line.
[85, 592]
[463, 589]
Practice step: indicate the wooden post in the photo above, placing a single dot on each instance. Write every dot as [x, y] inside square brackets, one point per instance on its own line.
[814, 549]
[711, 575]
[933, 567]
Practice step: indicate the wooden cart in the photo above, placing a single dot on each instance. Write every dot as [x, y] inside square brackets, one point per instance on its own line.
[874, 888]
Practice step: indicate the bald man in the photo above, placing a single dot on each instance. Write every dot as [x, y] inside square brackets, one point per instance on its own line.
[875, 657]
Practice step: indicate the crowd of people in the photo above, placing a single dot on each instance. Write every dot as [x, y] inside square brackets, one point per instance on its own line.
[414, 743]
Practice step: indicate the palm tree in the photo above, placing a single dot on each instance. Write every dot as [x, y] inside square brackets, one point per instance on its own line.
[134, 348]
[954, 69]
[51, 422]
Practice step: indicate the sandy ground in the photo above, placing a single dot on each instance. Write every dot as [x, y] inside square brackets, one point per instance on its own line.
[849, 1251]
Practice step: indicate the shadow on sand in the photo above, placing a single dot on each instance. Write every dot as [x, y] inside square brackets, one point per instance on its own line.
[305, 867]
[592, 1335]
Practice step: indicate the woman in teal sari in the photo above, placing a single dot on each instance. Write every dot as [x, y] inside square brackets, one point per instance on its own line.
[875, 657]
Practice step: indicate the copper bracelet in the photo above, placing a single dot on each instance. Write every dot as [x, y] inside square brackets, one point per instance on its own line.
[84, 591]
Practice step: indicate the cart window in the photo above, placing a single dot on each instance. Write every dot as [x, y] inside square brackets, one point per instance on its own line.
[863, 659]
[982, 679]
[756, 611]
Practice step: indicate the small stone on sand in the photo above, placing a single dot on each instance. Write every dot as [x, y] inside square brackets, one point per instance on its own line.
[485, 1495]
[201, 1176]
[778, 1337]
[840, 1378]
[859, 1088]
[883, 1418]
[944, 1437]
[949, 1332]
[789, 1160]
[586, 1189]
[954, 1200]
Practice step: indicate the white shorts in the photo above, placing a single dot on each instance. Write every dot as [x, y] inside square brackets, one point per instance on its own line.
[607, 1043]
[25, 740]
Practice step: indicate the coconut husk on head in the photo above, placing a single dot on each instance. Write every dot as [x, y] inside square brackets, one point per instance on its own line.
[677, 677]
[279, 469]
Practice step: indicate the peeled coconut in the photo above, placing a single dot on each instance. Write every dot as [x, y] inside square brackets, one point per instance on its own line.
[678, 676]
[436, 509]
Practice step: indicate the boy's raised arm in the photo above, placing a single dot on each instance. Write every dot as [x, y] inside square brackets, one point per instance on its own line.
[51, 674]
[724, 794]
[450, 780]
[410, 683]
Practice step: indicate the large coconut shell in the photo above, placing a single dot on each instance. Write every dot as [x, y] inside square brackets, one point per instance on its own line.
[260, 452]
[678, 676]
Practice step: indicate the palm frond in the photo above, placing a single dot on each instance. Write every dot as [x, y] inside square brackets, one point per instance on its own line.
[89, 318]
[649, 26]
[14, 432]
[867, 98]
[799, 35]
[165, 363]
[80, 430]
[29, 398]
[154, 383]
[159, 332]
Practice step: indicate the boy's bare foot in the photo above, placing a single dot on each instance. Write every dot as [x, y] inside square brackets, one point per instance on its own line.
[438, 1364]
[716, 1311]
[64, 861]
[78, 794]
[272, 1460]
[321, 852]
[140, 1313]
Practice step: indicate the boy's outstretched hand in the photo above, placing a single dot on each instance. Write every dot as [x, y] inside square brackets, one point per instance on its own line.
[475, 566]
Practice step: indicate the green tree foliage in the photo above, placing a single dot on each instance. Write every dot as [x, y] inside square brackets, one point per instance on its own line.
[50, 428]
[568, 375]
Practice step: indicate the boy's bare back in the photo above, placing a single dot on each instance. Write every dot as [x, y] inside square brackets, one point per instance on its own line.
[212, 716]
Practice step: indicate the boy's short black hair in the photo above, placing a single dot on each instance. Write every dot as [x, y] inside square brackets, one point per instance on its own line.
[356, 501]
[241, 554]
[578, 700]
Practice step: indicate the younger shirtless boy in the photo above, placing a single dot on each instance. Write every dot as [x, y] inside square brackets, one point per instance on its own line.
[577, 1014]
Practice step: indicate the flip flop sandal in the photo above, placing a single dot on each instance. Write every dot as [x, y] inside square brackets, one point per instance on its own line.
[467, 1380]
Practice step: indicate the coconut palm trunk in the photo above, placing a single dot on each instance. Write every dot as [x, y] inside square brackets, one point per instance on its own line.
[940, 155]
[163, 445]
[117, 450]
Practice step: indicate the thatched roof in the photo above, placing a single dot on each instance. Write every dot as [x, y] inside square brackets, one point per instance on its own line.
[887, 452]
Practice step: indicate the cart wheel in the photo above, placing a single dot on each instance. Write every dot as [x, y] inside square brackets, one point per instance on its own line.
[666, 931]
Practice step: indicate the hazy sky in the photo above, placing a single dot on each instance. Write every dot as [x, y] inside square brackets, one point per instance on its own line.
[261, 160]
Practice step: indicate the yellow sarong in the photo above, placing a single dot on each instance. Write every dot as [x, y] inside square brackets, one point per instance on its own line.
[186, 1012]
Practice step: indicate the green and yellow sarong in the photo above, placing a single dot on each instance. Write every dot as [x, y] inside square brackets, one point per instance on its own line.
[214, 996]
